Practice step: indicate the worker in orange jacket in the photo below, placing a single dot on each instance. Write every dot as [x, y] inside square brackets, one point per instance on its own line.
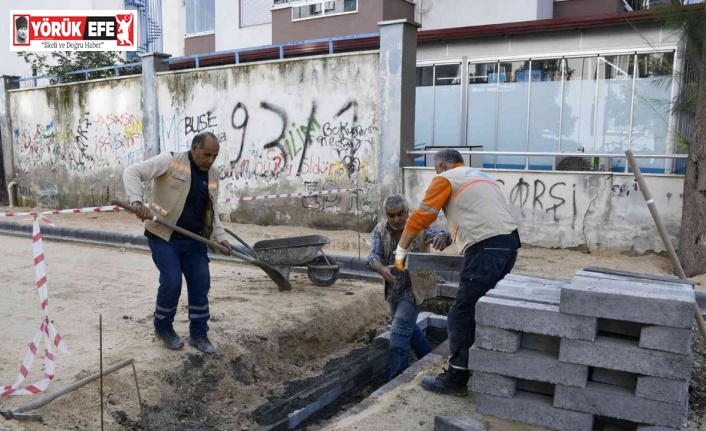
[484, 232]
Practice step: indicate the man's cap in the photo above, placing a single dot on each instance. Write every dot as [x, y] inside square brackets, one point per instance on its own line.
[21, 22]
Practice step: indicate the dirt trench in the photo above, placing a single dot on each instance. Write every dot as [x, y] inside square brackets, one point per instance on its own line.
[228, 391]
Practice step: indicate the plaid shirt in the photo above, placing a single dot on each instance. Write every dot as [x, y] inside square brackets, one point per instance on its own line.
[377, 252]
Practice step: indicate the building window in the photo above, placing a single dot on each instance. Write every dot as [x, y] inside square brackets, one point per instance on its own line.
[597, 104]
[200, 16]
[255, 12]
[319, 8]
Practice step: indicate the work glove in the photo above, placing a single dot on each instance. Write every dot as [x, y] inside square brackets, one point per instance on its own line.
[400, 257]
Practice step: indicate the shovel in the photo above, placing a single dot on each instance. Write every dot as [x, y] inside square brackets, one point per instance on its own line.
[275, 275]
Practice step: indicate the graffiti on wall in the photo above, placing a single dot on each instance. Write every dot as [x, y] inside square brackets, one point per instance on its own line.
[263, 144]
[558, 201]
[94, 142]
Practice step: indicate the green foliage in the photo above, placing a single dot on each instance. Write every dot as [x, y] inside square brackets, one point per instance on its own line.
[61, 63]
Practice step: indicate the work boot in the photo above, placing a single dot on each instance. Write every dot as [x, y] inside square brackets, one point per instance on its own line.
[203, 344]
[171, 339]
[449, 382]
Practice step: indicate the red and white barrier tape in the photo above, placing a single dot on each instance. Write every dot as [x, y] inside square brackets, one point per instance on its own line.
[289, 195]
[110, 208]
[47, 330]
[41, 214]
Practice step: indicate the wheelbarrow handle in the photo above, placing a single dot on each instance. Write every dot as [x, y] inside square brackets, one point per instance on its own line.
[275, 275]
[172, 226]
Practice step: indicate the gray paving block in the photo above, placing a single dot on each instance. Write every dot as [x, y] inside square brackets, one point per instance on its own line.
[528, 364]
[494, 384]
[533, 409]
[434, 262]
[620, 403]
[531, 288]
[538, 294]
[620, 327]
[625, 355]
[499, 340]
[535, 318]
[436, 321]
[634, 301]
[665, 390]
[666, 339]
[535, 387]
[535, 280]
[543, 343]
[457, 423]
[613, 377]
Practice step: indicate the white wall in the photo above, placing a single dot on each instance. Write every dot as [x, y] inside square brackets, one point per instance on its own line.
[173, 27]
[261, 113]
[14, 65]
[560, 209]
[229, 33]
[462, 13]
[71, 142]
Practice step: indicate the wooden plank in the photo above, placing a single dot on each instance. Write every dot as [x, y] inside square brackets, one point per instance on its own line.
[498, 424]
[434, 262]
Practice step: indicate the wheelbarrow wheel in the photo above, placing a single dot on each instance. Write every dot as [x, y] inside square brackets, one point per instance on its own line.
[321, 273]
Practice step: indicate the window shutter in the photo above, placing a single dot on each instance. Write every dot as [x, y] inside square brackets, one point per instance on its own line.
[255, 12]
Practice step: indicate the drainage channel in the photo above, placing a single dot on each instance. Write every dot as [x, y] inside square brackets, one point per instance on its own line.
[344, 383]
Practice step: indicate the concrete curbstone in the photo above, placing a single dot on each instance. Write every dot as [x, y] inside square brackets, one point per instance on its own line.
[625, 355]
[499, 340]
[619, 403]
[530, 365]
[457, 423]
[533, 409]
[643, 302]
[664, 390]
[535, 318]
[666, 339]
[494, 384]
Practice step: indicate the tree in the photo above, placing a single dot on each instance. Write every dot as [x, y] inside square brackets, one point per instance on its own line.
[62, 63]
[691, 22]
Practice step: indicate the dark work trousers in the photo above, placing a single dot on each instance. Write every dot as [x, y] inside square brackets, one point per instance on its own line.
[181, 255]
[484, 264]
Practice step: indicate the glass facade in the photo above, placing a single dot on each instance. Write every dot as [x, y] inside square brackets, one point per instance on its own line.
[593, 104]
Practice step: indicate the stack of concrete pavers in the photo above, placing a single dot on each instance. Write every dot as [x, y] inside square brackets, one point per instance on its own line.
[608, 350]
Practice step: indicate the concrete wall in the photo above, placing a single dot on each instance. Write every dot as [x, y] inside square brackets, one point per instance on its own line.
[71, 142]
[589, 41]
[601, 211]
[261, 114]
[463, 13]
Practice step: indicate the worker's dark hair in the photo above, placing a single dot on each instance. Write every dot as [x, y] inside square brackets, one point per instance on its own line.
[450, 157]
[200, 139]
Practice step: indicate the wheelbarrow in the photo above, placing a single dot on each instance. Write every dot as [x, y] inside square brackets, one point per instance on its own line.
[284, 253]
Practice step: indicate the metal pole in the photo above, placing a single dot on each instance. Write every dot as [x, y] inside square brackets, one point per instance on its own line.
[100, 350]
[663, 233]
[139, 399]
[529, 105]
[497, 111]
[562, 74]
[632, 102]
[92, 378]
